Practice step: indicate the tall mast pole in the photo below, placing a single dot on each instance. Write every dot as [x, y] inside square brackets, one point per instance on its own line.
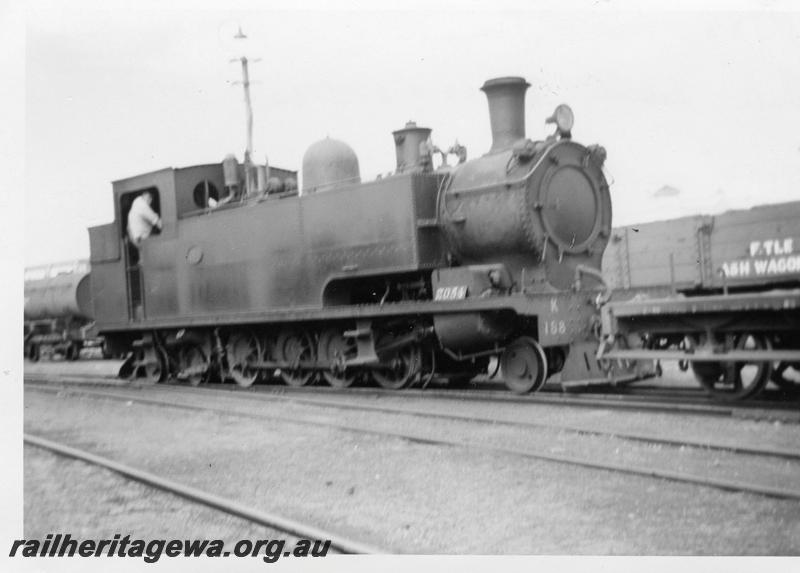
[248, 106]
[249, 176]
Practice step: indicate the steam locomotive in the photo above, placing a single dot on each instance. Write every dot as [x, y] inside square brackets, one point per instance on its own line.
[427, 272]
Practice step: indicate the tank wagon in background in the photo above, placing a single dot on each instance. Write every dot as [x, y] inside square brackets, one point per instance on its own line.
[719, 293]
[427, 272]
[58, 310]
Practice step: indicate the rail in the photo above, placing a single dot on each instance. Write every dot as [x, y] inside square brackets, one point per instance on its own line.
[723, 483]
[282, 523]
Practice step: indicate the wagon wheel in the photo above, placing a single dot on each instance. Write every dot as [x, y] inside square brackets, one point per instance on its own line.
[523, 365]
[493, 369]
[687, 345]
[296, 348]
[153, 369]
[243, 350]
[34, 353]
[127, 370]
[787, 376]
[736, 380]
[708, 374]
[144, 363]
[334, 349]
[73, 352]
[193, 364]
[401, 369]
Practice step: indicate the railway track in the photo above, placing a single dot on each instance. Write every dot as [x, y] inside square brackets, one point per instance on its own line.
[272, 520]
[422, 437]
[696, 402]
[765, 399]
[577, 429]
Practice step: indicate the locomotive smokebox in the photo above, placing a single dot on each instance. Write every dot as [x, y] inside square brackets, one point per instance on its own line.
[506, 110]
[407, 143]
[544, 206]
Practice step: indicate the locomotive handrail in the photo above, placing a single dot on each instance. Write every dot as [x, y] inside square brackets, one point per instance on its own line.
[442, 194]
[593, 272]
[444, 184]
[354, 180]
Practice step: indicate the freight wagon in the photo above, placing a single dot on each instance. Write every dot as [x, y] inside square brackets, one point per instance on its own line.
[720, 293]
[58, 310]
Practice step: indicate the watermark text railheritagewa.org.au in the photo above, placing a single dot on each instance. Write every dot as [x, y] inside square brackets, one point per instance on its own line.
[63, 545]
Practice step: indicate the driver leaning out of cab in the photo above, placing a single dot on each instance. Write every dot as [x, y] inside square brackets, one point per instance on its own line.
[142, 219]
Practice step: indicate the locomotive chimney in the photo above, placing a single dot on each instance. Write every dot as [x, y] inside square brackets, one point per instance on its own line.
[506, 110]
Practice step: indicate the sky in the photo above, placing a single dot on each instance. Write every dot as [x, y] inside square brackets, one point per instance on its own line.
[699, 109]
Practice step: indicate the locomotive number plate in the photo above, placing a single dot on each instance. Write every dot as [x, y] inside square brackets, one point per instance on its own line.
[451, 293]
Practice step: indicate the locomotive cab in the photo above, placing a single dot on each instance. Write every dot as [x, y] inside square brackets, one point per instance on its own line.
[146, 277]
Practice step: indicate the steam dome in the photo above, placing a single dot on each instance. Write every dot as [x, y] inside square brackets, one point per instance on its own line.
[328, 164]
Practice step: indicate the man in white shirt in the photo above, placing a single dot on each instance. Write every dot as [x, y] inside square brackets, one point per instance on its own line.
[142, 218]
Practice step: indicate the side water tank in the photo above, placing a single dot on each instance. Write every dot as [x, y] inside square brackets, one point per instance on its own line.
[328, 164]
